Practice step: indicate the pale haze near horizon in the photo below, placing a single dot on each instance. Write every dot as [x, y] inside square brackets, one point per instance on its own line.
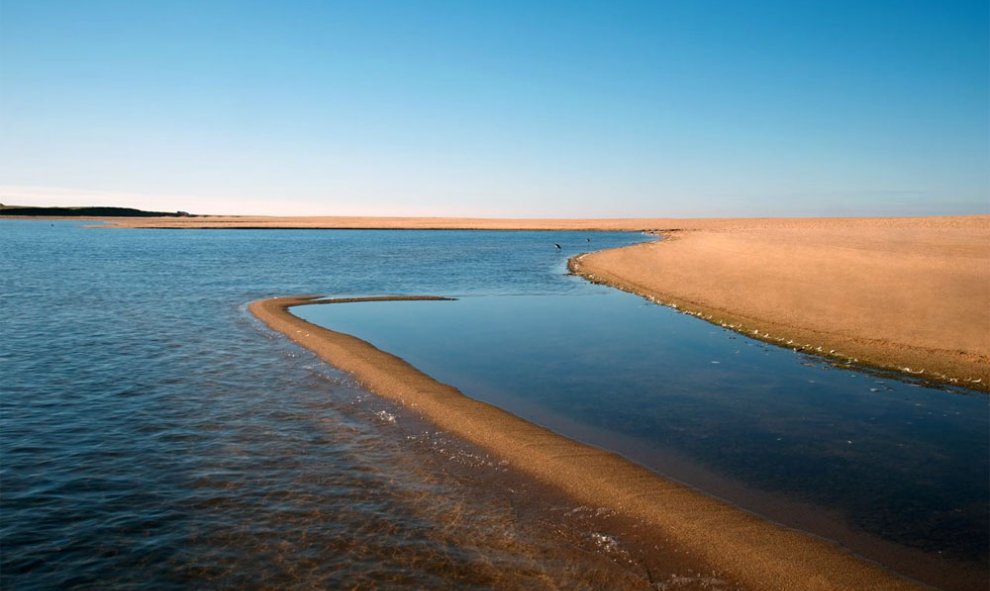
[617, 109]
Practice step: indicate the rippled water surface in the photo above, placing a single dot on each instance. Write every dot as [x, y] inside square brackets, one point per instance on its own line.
[153, 435]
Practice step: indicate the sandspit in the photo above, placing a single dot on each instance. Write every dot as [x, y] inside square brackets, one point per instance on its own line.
[757, 553]
[911, 295]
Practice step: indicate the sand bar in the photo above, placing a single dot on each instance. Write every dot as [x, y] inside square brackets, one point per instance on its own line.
[755, 552]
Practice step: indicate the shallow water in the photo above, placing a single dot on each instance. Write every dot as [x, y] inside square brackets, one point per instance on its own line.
[153, 435]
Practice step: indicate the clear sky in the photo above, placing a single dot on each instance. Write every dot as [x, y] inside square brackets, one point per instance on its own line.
[498, 108]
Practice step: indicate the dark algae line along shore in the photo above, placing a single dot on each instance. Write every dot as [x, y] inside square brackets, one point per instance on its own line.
[756, 553]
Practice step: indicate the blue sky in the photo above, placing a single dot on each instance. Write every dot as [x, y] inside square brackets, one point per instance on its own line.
[567, 109]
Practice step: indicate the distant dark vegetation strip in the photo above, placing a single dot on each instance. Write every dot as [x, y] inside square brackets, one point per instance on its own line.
[91, 212]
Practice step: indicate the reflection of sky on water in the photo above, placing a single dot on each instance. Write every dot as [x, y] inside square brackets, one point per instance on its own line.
[900, 460]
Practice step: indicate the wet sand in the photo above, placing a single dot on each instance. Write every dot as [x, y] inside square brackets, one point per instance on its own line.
[747, 549]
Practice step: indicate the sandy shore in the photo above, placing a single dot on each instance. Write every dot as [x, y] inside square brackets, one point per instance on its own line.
[387, 223]
[757, 553]
[909, 294]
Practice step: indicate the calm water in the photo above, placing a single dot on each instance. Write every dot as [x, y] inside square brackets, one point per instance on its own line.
[153, 435]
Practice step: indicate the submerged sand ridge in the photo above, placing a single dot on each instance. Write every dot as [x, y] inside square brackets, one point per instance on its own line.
[912, 295]
[758, 554]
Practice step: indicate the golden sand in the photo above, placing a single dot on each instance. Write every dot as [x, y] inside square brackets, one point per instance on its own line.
[757, 553]
[911, 295]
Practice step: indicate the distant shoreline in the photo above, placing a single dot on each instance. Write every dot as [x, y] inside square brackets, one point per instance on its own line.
[624, 224]
[26, 211]
[758, 553]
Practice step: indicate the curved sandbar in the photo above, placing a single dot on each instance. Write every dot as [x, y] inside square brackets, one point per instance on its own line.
[909, 294]
[755, 552]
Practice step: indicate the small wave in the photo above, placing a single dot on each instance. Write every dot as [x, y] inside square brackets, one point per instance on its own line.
[386, 417]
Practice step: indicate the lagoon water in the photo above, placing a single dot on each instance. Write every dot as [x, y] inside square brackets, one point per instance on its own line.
[153, 435]
[892, 469]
